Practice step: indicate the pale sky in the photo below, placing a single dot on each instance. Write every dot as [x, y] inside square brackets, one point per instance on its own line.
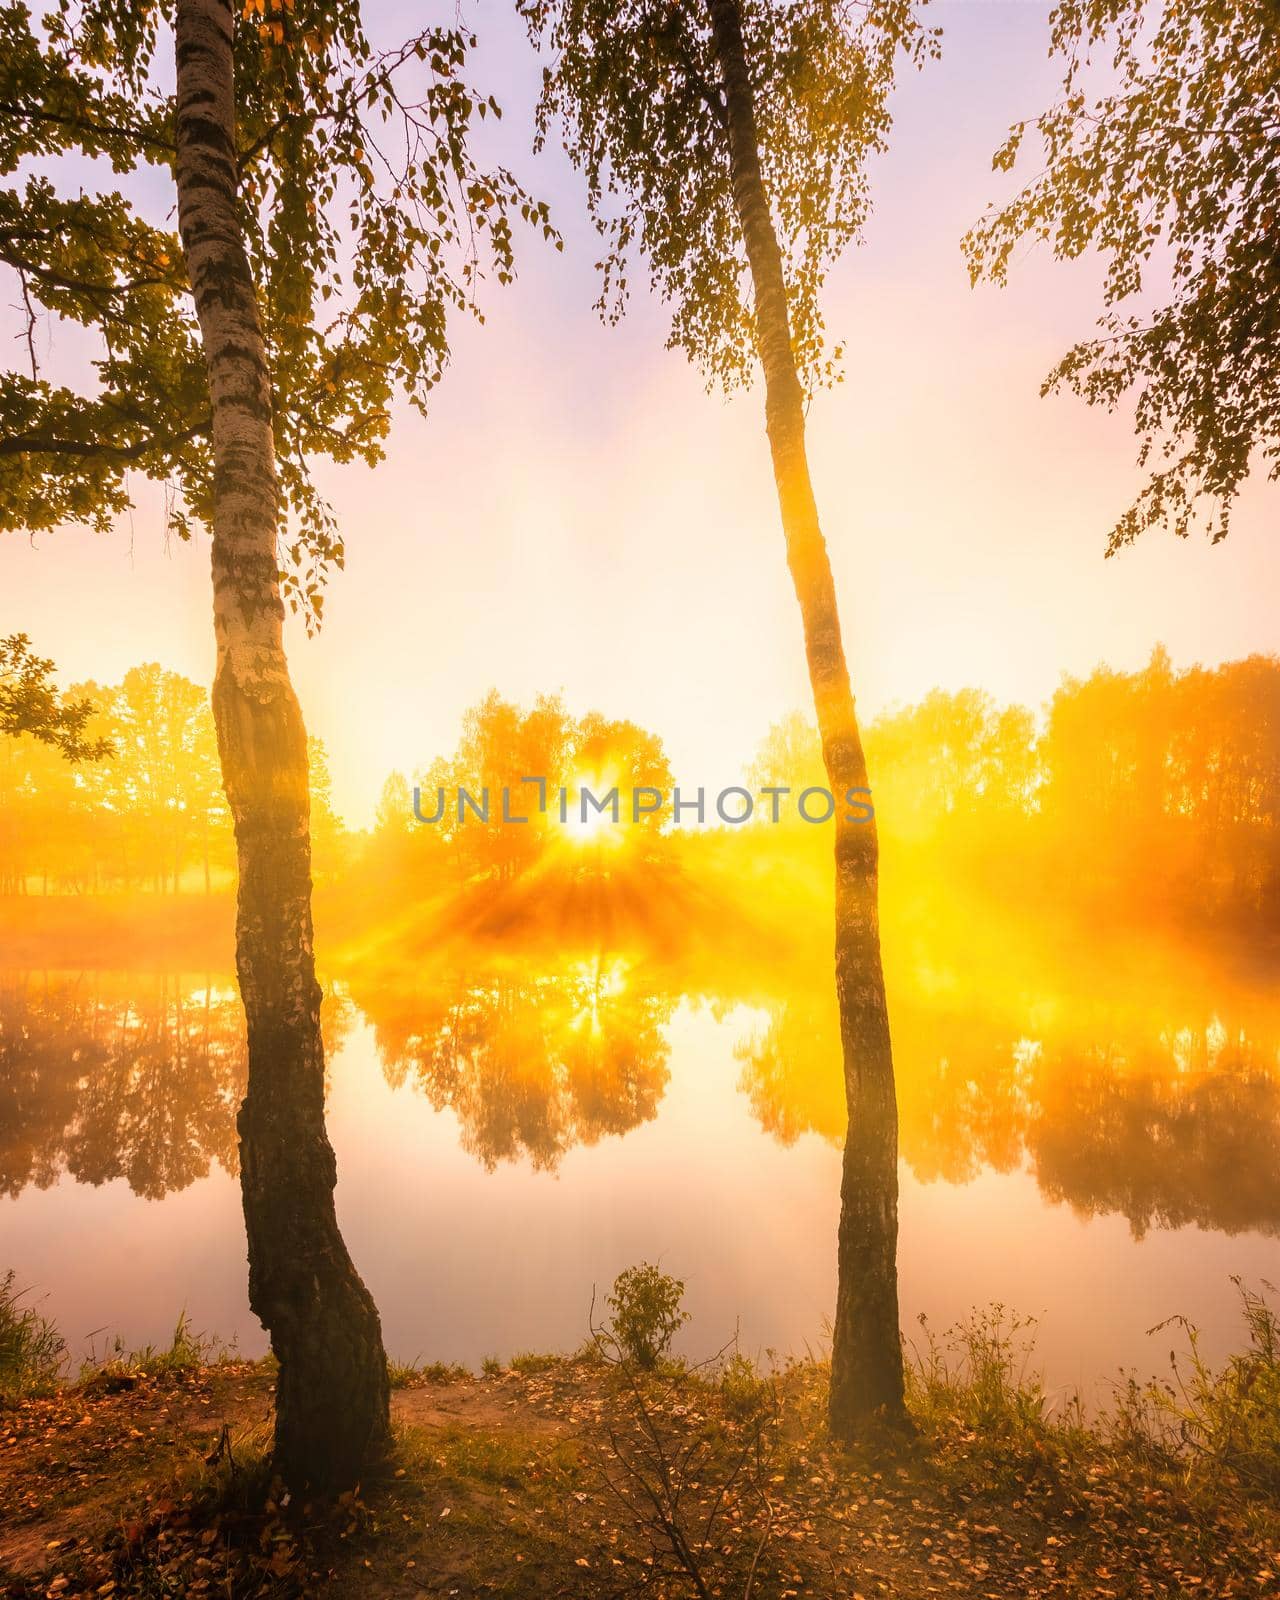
[577, 514]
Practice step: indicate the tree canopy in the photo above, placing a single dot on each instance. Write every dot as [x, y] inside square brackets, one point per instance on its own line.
[636, 90]
[1162, 155]
[30, 704]
[366, 216]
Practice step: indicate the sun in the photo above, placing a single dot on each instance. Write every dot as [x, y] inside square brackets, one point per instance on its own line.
[595, 827]
[590, 830]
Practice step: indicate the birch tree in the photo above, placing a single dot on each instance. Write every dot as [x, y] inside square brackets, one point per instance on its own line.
[727, 143]
[329, 218]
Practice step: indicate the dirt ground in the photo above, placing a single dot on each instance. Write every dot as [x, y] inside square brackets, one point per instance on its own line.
[510, 1485]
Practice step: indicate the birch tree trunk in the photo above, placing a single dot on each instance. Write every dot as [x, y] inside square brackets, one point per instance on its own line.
[866, 1351]
[332, 1398]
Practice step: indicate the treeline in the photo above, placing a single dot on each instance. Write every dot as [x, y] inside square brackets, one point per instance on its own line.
[1138, 797]
[1133, 798]
[150, 816]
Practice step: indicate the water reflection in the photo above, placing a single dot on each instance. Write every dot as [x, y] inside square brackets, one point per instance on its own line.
[531, 1065]
[1185, 1129]
[1165, 1115]
[133, 1075]
[129, 1075]
[1165, 1121]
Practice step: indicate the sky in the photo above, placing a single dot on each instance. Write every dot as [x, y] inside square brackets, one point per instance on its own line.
[578, 515]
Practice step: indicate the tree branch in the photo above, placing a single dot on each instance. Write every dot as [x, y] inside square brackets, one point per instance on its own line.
[45, 444]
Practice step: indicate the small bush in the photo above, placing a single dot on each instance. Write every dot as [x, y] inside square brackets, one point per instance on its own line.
[405, 1374]
[32, 1351]
[445, 1372]
[1215, 1431]
[589, 1353]
[647, 1313]
[974, 1393]
[401, 1374]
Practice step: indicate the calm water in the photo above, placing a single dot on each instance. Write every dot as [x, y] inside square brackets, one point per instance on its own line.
[505, 1144]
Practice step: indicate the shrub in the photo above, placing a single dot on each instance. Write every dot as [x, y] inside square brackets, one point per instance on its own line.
[646, 1313]
[529, 1362]
[407, 1374]
[744, 1391]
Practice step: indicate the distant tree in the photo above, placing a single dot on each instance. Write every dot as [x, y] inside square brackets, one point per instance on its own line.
[30, 704]
[505, 746]
[157, 788]
[1162, 156]
[329, 838]
[329, 218]
[728, 141]
[142, 819]
[501, 743]
[953, 755]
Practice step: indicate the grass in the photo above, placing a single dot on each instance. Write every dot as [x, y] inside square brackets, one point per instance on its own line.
[528, 1362]
[457, 1457]
[32, 1351]
[568, 1475]
[187, 1351]
[978, 1376]
[1211, 1433]
[1216, 1429]
[408, 1374]
[1223, 1425]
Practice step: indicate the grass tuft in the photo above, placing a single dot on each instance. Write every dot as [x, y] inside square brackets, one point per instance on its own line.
[529, 1362]
[1213, 1431]
[32, 1351]
[1223, 1426]
[408, 1374]
[186, 1352]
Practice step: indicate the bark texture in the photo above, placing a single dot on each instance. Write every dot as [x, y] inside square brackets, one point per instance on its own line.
[866, 1353]
[332, 1399]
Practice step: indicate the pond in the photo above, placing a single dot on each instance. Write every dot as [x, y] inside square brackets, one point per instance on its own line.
[509, 1139]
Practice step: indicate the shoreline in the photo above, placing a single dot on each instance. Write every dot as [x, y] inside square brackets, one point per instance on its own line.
[149, 1477]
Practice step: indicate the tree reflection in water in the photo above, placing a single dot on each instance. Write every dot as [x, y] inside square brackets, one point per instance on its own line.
[530, 1065]
[1162, 1121]
[106, 1076]
[1166, 1112]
